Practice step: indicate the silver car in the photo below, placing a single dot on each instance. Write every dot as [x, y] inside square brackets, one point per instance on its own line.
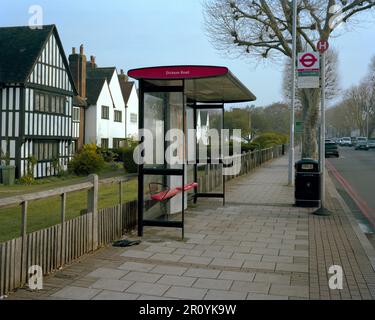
[361, 144]
[371, 143]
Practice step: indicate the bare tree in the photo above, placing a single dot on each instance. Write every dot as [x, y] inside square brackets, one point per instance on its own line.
[263, 29]
[369, 82]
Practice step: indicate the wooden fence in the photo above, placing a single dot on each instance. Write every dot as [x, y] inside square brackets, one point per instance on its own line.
[61, 244]
[248, 162]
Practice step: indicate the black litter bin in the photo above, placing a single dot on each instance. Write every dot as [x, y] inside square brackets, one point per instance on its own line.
[307, 183]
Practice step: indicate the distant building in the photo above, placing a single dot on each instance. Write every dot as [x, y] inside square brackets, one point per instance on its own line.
[130, 95]
[105, 114]
[36, 96]
[77, 64]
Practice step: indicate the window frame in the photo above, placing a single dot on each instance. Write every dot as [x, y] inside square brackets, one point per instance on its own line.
[46, 150]
[105, 115]
[132, 114]
[117, 112]
[106, 142]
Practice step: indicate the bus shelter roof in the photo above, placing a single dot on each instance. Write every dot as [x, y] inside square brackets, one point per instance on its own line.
[202, 84]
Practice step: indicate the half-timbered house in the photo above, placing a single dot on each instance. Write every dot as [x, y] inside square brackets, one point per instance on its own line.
[36, 96]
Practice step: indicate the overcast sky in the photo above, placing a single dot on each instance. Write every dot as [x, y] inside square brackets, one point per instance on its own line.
[130, 34]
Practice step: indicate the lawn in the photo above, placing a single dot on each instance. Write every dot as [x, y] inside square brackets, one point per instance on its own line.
[46, 212]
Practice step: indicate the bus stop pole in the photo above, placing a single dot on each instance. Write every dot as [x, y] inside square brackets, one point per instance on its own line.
[323, 133]
[293, 102]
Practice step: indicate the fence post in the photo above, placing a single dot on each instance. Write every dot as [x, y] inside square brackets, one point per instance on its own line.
[63, 229]
[92, 206]
[120, 192]
[24, 243]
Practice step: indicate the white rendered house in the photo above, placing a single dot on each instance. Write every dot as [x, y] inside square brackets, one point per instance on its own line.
[105, 115]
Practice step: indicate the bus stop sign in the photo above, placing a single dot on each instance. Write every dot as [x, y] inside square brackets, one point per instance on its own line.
[322, 46]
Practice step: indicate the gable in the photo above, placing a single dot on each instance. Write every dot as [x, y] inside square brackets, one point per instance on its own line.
[50, 68]
[19, 49]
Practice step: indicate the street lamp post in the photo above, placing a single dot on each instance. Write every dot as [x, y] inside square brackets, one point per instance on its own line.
[293, 100]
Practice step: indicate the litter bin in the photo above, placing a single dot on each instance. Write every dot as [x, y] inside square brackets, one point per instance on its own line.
[8, 175]
[307, 183]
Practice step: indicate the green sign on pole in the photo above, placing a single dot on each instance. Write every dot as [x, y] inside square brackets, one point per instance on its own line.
[299, 126]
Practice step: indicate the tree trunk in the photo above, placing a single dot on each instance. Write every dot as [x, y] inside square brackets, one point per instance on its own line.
[310, 99]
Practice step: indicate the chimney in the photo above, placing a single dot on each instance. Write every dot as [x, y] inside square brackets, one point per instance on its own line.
[122, 76]
[77, 64]
[92, 62]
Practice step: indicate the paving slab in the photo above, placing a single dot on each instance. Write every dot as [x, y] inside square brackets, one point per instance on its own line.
[186, 293]
[76, 293]
[113, 295]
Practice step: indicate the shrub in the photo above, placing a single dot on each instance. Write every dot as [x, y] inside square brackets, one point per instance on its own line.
[125, 155]
[108, 155]
[267, 140]
[247, 147]
[129, 165]
[87, 161]
[26, 180]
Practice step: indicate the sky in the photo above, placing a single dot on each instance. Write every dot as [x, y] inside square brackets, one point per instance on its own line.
[130, 34]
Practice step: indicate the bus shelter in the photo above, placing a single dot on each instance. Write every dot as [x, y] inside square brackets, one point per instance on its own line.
[180, 107]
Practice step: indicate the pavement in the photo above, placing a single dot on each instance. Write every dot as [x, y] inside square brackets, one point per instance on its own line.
[258, 247]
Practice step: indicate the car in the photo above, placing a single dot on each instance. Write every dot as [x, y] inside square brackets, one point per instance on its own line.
[361, 144]
[331, 148]
[371, 143]
[346, 141]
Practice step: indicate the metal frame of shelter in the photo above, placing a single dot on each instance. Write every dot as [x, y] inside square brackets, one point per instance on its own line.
[167, 95]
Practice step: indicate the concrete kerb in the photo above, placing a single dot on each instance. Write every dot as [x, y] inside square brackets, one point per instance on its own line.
[368, 248]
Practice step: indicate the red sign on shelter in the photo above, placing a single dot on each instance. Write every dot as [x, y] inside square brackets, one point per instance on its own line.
[178, 72]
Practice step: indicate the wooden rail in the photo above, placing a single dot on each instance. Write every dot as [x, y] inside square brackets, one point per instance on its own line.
[53, 247]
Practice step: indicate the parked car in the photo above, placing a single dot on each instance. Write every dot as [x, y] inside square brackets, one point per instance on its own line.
[331, 148]
[361, 144]
[371, 143]
[346, 142]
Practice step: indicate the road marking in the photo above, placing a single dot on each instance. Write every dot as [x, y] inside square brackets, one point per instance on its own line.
[360, 202]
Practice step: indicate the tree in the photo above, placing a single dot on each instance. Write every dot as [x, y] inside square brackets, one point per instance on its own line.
[239, 119]
[358, 103]
[369, 82]
[263, 29]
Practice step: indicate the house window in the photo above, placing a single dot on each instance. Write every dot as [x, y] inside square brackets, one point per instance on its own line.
[46, 150]
[49, 103]
[76, 115]
[105, 112]
[133, 117]
[118, 116]
[118, 143]
[104, 143]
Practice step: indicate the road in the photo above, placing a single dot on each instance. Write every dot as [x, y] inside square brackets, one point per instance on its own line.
[354, 171]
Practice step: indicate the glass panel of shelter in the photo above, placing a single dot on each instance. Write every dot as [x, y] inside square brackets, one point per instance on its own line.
[173, 164]
[162, 175]
[209, 122]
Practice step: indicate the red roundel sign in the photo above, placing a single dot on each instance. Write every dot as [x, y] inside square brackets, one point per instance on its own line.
[308, 60]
